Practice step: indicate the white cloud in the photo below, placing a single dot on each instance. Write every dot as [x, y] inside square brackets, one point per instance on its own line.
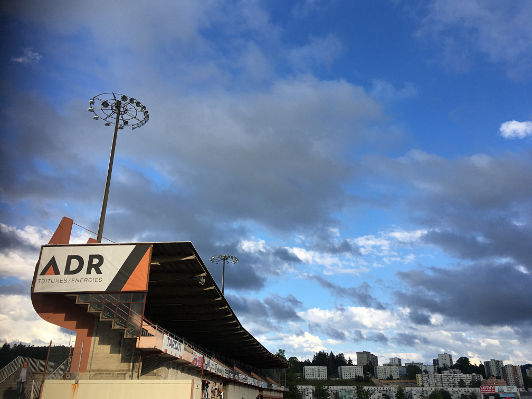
[29, 57]
[20, 260]
[253, 246]
[407, 236]
[18, 264]
[20, 322]
[305, 342]
[516, 130]
[31, 235]
[500, 30]
[354, 315]
[522, 269]
[332, 264]
[319, 50]
[385, 91]
[386, 243]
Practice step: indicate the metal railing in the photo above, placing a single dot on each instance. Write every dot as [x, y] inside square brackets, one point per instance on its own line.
[34, 365]
[235, 375]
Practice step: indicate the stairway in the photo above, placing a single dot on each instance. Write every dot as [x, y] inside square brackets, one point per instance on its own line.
[10, 372]
[123, 310]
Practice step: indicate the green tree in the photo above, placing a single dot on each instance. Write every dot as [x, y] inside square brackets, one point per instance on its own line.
[411, 371]
[320, 358]
[463, 365]
[435, 394]
[368, 369]
[320, 392]
[293, 392]
[362, 393]
[400, 394]
[445, 394]
[281, 353]
[332, 369]
[475, 383]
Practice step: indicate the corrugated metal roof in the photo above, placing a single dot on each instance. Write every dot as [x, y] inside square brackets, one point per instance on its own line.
[184, 299]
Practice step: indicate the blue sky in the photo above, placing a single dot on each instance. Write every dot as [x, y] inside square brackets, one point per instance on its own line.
[369, 162]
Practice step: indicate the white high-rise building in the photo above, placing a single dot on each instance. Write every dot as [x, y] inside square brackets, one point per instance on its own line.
[445, 360]
[429, 369]
[350, 372]
[315, 372]
[513, 376]
[447, 380]
[493, 368]
[364, 358]
[395, 361]
[385, 372]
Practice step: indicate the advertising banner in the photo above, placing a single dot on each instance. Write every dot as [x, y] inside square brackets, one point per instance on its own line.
[487, 389]
[93, 268]
[507, 388]
[172, 346]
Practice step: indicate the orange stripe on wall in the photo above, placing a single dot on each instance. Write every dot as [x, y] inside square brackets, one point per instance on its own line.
[138, 281]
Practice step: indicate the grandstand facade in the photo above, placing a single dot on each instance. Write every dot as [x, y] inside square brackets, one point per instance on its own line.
[149, 319]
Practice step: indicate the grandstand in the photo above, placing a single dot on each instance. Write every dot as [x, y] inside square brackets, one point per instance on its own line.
[149, 319]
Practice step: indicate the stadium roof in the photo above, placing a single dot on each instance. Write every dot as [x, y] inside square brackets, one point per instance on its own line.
[184, 299]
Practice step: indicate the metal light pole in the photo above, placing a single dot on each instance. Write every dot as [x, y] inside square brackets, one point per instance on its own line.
[224, 258]
[125, 111]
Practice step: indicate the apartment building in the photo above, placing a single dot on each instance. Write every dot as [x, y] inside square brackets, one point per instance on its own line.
[349, 392]
[447, 380]
[445, 360]
[387, 372]
[513, 376]
[395, 361]
[315, 372]
[365, 358]
[429, 369]
[350, 372]
[493, 368]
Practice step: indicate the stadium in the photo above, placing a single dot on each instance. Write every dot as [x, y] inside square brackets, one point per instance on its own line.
[149, 320]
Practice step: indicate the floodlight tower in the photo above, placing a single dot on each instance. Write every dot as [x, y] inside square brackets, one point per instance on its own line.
[224, 258]
[125, 111]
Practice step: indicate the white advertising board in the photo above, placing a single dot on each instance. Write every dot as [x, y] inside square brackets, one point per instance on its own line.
[172, 346]
[506, 388]
[93, 268]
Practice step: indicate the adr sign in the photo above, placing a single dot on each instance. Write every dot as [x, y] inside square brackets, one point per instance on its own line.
[93, 268]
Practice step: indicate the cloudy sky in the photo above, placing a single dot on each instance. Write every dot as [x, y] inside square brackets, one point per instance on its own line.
[369, 162]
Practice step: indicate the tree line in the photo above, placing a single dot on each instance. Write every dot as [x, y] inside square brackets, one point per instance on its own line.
[9, 352]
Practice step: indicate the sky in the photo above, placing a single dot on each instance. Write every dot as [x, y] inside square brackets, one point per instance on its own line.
[368, 162]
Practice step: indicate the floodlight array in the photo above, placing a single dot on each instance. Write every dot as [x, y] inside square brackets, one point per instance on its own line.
[131, 112]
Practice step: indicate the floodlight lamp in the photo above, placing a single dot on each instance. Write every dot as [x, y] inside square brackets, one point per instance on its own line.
[91, 101]
[127, 111]
[95, 117]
